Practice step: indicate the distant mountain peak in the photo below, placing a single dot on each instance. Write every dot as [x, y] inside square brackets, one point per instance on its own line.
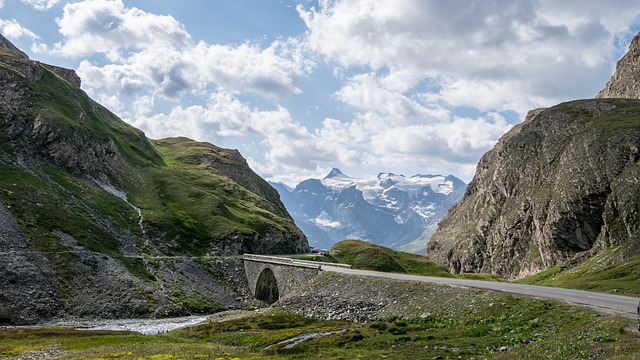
[335, 172]
[386, 175]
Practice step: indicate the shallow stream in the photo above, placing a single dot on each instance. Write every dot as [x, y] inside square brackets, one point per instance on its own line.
[142, 326]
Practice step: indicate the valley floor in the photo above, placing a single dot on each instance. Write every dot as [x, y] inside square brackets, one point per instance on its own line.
[345, 317]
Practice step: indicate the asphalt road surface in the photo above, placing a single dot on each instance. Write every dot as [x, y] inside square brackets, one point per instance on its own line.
[616, 303]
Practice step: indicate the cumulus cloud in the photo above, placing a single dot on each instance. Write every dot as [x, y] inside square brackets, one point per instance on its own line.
[40, 4]
[392, 127]
[504, 48]
[106, 26]
[462, 140]
[368, 92]
[248, 67]
[289, 143]
[148, 49]
[12, 29]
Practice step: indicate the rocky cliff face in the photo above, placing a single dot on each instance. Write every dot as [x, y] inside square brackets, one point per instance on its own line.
[563, 182]
[625, 82]
[96, 220]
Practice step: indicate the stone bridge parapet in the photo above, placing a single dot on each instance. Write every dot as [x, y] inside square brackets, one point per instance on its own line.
[271, 277]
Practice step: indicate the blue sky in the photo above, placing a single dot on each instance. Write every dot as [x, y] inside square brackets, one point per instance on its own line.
[300, 86]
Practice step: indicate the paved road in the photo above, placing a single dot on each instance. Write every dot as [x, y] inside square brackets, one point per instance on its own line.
[617, 303]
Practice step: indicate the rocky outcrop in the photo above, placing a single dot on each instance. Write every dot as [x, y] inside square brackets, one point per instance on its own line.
[25, 274]
[625, 82]
[563, 182]
[6, 44]
[68, 75]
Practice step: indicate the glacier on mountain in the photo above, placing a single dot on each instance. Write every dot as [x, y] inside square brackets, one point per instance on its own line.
[388, 209]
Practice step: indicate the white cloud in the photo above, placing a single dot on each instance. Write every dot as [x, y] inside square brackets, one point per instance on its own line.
[247, 67]
[462, 140]
[106, 26]
[163, 69]
[393, 128]
[515, 50]
[13, 30]
[483, 95]
[41, 4]
[289, 143]
[147, 50]
[366, 92]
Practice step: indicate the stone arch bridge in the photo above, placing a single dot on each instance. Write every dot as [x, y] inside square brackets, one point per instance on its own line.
[271, 277]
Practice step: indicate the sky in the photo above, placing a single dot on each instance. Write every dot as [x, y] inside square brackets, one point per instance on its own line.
[299, 86]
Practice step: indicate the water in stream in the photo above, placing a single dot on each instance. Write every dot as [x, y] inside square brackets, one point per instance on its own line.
[142, 326]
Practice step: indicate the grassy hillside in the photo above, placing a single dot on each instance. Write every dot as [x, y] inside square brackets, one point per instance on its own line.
[69, 146]
[99, 208]
[198, 206]
[366, 256]
[604, 272]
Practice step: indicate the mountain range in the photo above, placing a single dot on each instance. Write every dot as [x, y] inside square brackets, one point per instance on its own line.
[388, 209]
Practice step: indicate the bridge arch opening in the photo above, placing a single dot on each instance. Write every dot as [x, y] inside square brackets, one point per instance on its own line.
[267, 287]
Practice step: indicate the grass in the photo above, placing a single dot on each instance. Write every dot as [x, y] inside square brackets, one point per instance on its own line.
[480, 276]
[511, 327]
[63, 105]
[196, 205]
[366, 256]
[602, 273]
[625, 116]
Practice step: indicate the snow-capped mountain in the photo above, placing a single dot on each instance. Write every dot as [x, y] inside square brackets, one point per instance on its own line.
[388, 209]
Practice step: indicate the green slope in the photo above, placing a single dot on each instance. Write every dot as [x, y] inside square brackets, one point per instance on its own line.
[604, 272]
[366, 256]
[101, 209]
[69, 140]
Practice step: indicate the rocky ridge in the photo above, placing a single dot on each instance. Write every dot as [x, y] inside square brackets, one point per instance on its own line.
[625, 81]
[562, 185]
